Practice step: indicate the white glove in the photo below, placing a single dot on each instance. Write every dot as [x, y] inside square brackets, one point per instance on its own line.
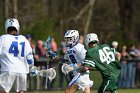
[30, 59]
[66, 68]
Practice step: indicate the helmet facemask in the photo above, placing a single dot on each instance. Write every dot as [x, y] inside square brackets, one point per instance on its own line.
[71, 37]
[69, 41]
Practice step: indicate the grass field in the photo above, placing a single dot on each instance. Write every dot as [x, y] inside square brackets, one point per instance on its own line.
[95, 76]
[92, 91]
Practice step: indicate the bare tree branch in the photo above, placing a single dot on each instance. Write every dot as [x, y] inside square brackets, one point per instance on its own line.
[90, 12]
[81, 12]
[78, 16]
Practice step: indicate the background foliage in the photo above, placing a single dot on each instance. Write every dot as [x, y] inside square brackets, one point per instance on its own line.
[110, 19]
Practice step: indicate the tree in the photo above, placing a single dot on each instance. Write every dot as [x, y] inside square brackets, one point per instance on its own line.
[15, 9]
[6, 8]
[89, 16]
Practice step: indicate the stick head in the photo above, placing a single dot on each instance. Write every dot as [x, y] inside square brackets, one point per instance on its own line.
[50, 73]
[66, 68]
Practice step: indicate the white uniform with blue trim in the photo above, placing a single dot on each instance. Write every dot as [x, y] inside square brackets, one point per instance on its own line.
[14, 53]
[76, 55]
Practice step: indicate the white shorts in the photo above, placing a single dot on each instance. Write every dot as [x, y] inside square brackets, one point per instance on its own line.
[83, 81]
[7, 79]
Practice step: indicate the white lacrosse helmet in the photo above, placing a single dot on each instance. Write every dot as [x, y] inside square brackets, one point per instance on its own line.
[92, 37]
[71, 37]
[12, 22]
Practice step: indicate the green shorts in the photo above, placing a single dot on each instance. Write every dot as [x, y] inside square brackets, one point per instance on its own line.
[109, 84]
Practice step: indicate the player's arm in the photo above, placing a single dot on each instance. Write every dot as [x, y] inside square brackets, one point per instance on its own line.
[29, 54]
[0, 46]
[87, 66]
[68, 66]
[30, 60]
[118, 55]
[88, 63]
[66, 58]
[81, 53]
[1, 43]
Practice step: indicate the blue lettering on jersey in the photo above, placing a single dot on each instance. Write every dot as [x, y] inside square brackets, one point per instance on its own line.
[22, 46]
[72, 58]
[14, 48]
[71, 51]
[71, 54]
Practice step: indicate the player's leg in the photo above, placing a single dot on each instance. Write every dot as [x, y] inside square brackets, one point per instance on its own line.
[71, 88]
[110, 85]
[1, 88]
[113, 91]
[1, 91]
[22, 91]
[85, 83]
[6, 81]
[103, 86]
[86, 90]
[21, 83]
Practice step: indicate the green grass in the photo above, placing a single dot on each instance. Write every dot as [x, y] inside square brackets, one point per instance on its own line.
[129, 91]
[95, 76]
[92, 91]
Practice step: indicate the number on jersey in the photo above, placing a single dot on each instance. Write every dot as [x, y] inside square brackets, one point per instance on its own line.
[106, 55]
[14, 48]
[72, 58]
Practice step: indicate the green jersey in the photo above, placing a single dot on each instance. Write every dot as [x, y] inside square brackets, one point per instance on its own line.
[103, 58]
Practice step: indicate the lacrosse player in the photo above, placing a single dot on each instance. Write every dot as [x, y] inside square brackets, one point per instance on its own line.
[105, 60]
[15, 58]
[75, 54]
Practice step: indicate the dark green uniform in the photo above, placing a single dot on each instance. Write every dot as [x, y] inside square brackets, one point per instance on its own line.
[103, 58]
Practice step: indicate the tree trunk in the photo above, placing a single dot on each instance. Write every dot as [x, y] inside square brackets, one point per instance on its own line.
[15, 8]
[89, 16]
[125, 14]
[6, 8]
[61, 17]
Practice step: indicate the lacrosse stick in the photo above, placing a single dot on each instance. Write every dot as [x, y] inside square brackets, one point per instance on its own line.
[47, 43]
[48, 55]
[49, 73]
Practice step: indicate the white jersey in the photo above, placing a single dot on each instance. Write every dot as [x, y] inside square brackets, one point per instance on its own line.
[76, 54]
[14, 50]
